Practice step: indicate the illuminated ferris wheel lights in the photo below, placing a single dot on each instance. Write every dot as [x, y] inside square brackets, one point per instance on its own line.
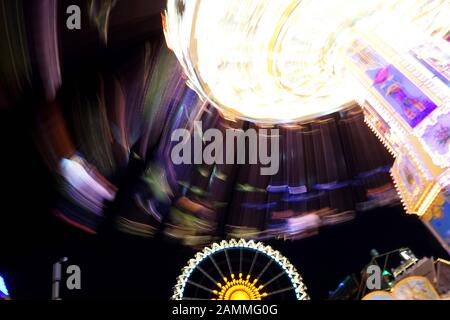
[284, 60]
[239, 288]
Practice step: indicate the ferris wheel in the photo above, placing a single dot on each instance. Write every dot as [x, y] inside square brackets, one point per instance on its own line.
[239, 270]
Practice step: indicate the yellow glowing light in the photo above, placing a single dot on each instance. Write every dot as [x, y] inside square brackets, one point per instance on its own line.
[283, 60]
[239, 289]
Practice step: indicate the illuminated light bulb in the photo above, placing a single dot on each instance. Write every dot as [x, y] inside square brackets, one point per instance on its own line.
[240, 295]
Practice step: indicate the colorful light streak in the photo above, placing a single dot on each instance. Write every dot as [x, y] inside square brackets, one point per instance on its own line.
[280, 61]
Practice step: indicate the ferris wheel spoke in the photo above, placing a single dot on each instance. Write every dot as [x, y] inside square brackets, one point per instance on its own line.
[206, 274]
[280, 291]
[199, 286]
[265, 268]
[240, 260]
[216, 266]
[253, 263]
[273, 279]
[228, 261]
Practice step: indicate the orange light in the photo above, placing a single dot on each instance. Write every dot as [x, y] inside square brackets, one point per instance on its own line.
[239, 289]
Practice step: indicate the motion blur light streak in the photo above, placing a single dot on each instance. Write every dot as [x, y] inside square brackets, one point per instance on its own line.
[279, 61]
[85, 182]
[4, 293]
[106, 138]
